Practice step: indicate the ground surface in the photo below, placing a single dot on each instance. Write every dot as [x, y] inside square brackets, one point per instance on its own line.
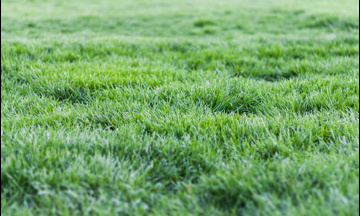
[187, 107]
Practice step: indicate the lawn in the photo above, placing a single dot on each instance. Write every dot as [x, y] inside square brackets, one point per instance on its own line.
[182, 107]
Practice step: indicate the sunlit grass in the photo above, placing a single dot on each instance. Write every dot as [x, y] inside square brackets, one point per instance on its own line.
[179, 108]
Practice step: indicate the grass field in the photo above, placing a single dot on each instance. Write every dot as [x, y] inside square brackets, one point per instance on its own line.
[182, 107]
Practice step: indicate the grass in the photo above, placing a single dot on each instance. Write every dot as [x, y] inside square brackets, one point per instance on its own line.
[180, 107]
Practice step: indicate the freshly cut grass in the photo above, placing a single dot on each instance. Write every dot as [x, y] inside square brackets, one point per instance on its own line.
[179, 108]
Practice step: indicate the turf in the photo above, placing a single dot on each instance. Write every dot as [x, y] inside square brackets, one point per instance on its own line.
[180, 107]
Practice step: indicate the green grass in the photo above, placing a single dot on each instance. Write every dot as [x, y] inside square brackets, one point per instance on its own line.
[180, 107]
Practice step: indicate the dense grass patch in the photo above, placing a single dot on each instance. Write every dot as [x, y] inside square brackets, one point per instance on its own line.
[179, 108]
